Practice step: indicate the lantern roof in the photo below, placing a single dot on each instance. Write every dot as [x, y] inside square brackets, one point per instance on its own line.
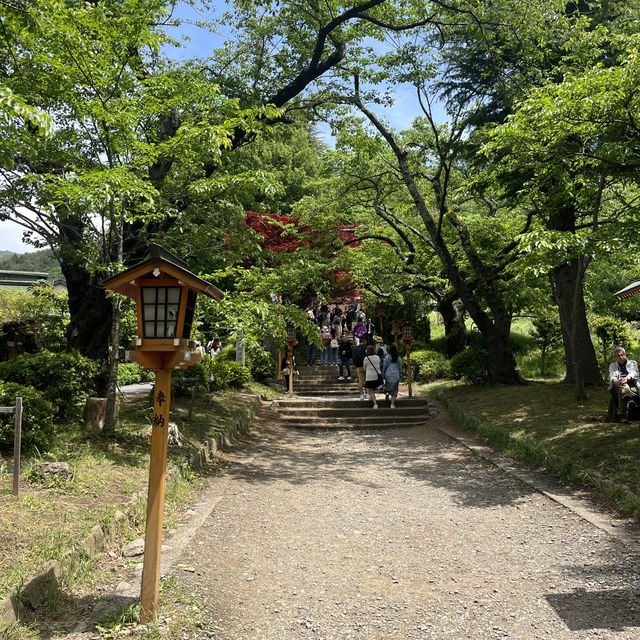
[628, 291]
[160, 261]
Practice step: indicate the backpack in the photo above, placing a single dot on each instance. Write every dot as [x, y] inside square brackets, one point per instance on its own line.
[358, 355]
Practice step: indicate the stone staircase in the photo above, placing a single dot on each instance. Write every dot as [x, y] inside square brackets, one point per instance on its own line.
[321, 401]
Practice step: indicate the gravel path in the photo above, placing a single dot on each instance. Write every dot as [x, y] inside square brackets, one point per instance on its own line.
[399, 534]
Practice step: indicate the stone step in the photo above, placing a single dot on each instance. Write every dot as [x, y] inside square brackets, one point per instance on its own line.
[339, 403]
[347, 414]
[333, 383]
[373, 421]
[329, 382]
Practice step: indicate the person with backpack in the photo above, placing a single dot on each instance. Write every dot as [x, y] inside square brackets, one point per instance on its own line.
[392, 372]
[358, 362]
[372, 373]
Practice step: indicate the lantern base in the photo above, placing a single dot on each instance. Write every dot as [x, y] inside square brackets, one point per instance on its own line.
[179, 359]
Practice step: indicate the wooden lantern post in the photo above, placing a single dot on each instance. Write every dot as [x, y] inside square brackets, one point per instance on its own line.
[165, 293]
[291, 342]
[396, 330]
[407, 338]
[381, 315]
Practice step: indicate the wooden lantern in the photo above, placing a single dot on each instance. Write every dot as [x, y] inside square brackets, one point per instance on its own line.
[396, 330]
[165, 292]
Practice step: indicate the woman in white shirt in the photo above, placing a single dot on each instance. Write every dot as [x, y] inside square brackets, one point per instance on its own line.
[372, 373]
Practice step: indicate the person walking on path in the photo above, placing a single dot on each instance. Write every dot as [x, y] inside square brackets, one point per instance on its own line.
[392, 372]
[346, 351]
[359, 332]
[325, 336]
[333, 351]
[372, 373]
[336, 323]
[358, 362]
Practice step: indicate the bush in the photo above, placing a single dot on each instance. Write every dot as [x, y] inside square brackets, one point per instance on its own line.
[65, 379]
[228, 353]
[428, 365]
[183, 381]
[226, 373]
[611, 332]
[260, 363]
[132, 373]
[472, 364]
[212, 374]
[37, 418]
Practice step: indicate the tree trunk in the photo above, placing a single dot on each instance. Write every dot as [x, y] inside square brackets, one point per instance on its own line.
[452, 311]
[502, 362]
[580, 356]
[111, 416]
[90, 313]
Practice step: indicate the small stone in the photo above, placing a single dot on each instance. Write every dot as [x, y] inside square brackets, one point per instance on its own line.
[134, 548]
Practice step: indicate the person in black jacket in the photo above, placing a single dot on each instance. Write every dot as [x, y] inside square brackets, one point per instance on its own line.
[358, 362]
[371, 330]
[345, 351]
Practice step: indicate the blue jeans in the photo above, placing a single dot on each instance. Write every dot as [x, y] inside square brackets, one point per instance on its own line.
[333, 355]
[324, 356]
[344, 361]
[311, 354]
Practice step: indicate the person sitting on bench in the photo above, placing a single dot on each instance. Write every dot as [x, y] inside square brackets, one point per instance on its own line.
[624, 376]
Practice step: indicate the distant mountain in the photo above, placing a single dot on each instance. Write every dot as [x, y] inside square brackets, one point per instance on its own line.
[33, 261]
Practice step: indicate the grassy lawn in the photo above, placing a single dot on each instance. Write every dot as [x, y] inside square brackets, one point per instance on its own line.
[47, 520]
[543, 424]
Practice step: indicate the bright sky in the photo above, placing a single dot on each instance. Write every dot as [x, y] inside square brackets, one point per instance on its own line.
[200, 44]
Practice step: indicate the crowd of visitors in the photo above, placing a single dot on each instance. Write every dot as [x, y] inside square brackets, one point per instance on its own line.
[348, 339]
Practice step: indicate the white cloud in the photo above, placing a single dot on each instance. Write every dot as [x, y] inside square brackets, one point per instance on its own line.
[11, 238]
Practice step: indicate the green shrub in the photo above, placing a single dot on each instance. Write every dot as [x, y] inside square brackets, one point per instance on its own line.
[226, 373]
[132, 373]
[211, 374]
[65, 379]
[428, 365]
[260, 364]
[37, 418]
[183, 381]
[611, 332]
[227, 353]
[472, 364]
[521, 342]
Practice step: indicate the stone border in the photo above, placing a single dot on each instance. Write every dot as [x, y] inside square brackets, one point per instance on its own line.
[538, 480]
[35, 591]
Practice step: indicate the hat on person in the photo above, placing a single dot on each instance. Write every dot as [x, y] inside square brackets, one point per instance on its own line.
[325, 328]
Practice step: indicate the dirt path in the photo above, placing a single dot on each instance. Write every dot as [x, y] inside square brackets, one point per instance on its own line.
[399, 534]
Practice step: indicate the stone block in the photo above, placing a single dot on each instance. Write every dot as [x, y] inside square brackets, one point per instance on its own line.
[9, 610]
[94, 542]
[35, 591]
[53, 470]
[134, 548]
